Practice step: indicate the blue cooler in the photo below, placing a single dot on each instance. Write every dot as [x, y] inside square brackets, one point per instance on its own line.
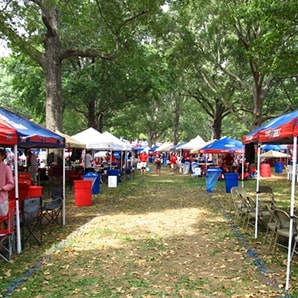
[95, 178]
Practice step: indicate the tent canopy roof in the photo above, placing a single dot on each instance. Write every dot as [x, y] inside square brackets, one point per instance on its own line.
[223, 145]
[17, 130]
[280, 130]
[71, 142]
[274, 154]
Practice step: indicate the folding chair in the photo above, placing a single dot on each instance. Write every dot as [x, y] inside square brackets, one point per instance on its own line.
[7, 236]
[31, 219]
[282, 230]
[52, 210]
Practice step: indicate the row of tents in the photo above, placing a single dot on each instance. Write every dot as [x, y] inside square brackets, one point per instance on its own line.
[16, 131]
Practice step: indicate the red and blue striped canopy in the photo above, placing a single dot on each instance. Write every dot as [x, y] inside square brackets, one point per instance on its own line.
[278, 130]
[17, 130]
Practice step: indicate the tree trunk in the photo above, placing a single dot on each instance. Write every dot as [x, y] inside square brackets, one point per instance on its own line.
[51, 64]
[258, 98]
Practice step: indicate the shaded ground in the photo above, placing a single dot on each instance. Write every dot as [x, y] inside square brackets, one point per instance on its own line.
[151, 237]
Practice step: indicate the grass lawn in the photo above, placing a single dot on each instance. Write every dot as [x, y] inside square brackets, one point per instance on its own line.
[154, 236]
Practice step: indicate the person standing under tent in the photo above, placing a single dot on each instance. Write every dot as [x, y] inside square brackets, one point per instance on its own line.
[228, 161]
[143, 159]
[6, 184]
[173, 162]
[32, 166]
[88, 162]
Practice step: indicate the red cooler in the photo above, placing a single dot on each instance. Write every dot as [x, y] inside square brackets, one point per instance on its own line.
[83, 192]
[265, 170]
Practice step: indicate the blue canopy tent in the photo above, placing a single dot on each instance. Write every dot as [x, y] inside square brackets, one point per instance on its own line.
[27, 134]
[223, 145]
[280, 130]
[268, 147]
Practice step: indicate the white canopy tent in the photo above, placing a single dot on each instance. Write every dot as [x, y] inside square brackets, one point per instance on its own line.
[274, 154]
[165, 147]
[193, 143]
[92, 139]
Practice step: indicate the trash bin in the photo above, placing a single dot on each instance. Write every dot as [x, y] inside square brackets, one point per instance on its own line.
[95, 178]
[278, 167]
[113, 178]
[83, 192]
[265, 170]
[231, 180]
[211, 178]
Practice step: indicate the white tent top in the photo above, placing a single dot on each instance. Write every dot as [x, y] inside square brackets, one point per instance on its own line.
[71, 142]
[164, 147]
[274, 154]
[92, 139]
[116, 143]
[193, 143]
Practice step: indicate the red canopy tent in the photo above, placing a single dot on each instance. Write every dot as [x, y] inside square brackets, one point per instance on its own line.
[280, 130]
[17, 131]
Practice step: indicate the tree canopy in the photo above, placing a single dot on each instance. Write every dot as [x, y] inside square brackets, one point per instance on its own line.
[170, 70]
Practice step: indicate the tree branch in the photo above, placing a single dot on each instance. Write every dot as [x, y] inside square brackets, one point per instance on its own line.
[88, 53]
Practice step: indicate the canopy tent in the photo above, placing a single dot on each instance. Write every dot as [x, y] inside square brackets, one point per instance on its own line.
[17, 131]
[71, 142]
[92, 139]
[165, 147]
[223, 145]
[280, 130]
[177, 147]
[268, 147]
[28, 134]
[116, 144]
[197, 148]
[274, 154]
[195, 142]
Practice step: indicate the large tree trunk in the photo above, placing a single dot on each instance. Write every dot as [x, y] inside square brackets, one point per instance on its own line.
[51, 64]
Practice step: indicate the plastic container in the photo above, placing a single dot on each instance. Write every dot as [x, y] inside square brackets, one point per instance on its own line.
[278, 167]
[113, 178]
[212, 176]
[265, 170]
[95, 178]
[231, 180]
[34, 192]
[83, 192]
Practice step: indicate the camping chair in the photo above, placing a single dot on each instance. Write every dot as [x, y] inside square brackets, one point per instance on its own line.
[31, 219]
[272, 226]
[237, 203]
[7, 236]
[282, 231]
[52, 209]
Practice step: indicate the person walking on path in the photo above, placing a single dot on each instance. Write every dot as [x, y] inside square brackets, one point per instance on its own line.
[143, 158]
[157, 162]
[173, 162]
[6, 184]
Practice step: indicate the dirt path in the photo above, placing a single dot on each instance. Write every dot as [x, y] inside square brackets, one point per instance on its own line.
[154, 237]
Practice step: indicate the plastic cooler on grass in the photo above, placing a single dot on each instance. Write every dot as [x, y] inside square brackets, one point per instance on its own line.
[212, 176]
[265, 170]
[113, 178]
[231, 180]
[83, 192]
[95, 178]
[278, 167]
